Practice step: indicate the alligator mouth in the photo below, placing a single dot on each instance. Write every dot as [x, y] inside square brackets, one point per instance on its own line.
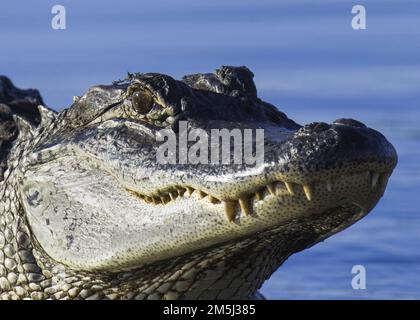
[249, 201]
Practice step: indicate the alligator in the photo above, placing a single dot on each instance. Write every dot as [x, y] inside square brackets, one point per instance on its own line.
[87, 212]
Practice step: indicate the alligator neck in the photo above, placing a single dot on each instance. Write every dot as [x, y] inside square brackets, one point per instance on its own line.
[21, 272]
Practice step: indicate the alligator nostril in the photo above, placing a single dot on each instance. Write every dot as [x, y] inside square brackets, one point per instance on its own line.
[315, 127]
[350, 122]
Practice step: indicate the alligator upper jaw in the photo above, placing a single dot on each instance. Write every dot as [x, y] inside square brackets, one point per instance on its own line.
[247, 202]
[163, 218]
[162, 212]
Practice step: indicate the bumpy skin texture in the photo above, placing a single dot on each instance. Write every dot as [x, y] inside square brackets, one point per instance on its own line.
[86, 211]
[14, 101]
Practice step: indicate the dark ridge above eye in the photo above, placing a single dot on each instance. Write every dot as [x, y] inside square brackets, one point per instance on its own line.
[168, 91]
[228, 80]
[227, 95]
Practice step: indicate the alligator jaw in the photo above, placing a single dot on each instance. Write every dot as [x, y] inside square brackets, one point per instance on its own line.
[247, 204]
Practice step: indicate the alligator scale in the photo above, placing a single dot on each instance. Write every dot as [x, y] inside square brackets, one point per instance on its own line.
[87, 212]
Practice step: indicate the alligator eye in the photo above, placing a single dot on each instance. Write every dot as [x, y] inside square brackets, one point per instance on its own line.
[142, 101]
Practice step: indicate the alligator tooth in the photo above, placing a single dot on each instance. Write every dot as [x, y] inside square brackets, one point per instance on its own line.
[155, 200]
[201, 194]
[308, 191]
[375, 178]
[173, 195]
[165, 199]
[213, 199]
[271, 188]
[245, 205]
[289, 187]
[258, 196]
[383, 180]
[329, 185]
[190, 191]
[278, 186]
[230, 207]
[181, 191]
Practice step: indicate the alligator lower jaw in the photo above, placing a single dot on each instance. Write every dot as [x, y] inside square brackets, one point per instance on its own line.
[249, 200]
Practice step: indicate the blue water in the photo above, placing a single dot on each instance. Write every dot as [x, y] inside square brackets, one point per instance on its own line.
[307, 60]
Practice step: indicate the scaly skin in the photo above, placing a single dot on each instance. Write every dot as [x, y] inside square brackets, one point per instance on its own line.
[86, 211]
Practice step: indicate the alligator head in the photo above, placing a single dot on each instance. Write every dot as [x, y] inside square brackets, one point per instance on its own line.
[103, 218]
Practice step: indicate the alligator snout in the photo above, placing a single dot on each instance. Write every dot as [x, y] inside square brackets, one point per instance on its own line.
[357, 143]
[346, 144]
[350, 122]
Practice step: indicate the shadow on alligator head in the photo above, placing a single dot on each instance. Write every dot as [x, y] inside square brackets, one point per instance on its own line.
[87, 211]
